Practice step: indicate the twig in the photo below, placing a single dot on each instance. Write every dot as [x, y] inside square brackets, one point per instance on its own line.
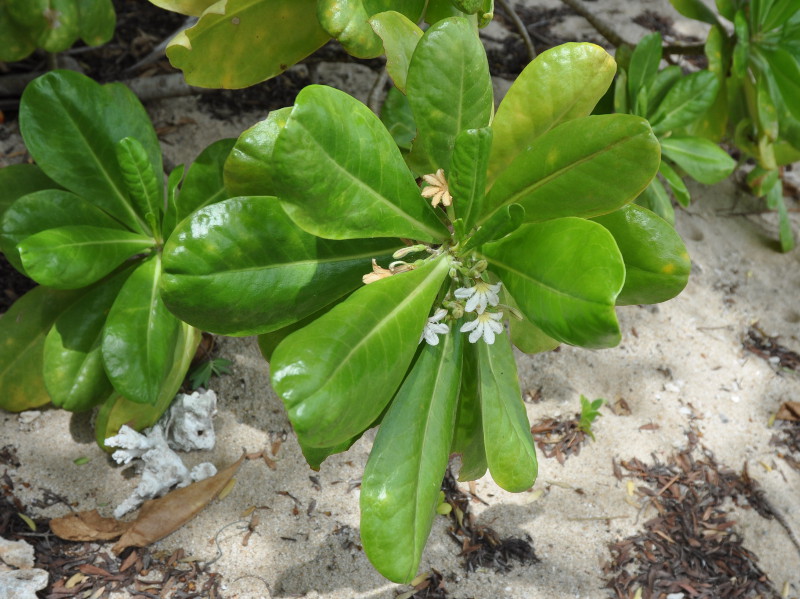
[373, 100]
[508, 8]
[158, 52]
[601, 27]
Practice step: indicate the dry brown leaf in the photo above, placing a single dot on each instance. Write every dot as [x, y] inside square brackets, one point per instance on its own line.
[790, 410]
[162, 516]
[87, 526]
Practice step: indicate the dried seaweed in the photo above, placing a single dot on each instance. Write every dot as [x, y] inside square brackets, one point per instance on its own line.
[690, 547]
[559, 438]
[480, 545]
[787, 440]
[764, 346]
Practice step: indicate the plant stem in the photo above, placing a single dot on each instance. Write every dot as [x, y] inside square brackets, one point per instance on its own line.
[508, 8]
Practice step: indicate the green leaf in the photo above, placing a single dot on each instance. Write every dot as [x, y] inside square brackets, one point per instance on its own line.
[117, 410]
[504, 221]
[237, 43]
[97, 21]
[775, 198]
[565, 274]
[621, 104]
[242, 267]
[17, 44]
[23, 329]
[78, 255]
[145, 187]
[140, 337]
[186, 7]
[43, 210]
[590, 410]
[702, 159]
[676, 184]
[449, 89]
[656, 199]
[780, 13]
[204, 183]
[403, 476]
[785, 70]
[574, 169]
[685, 102]
[525, 335]
[664, 81]
[468, 173]
[506, 431]
[248, 169]
[561, 84]
[17, 180]
[267, 342]
[60, 32]
[73, 361]
[741, 51]
[396, 116]
[336, 375]
[341, 175]
[695, 9]
[468, 433]
[657, 265]
[400, 37]
[644, 64]
[768, 121]
[71, 126]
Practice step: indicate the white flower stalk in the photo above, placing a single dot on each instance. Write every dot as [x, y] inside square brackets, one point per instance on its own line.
[486, 325]
[479, 296]
[438, 190]
[434, 328]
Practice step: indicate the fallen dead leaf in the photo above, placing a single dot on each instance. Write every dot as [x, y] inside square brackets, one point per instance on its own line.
[790, 410]
[87, 526]
[162, 516]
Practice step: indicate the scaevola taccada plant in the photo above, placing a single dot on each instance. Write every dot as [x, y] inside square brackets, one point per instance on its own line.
[381, 285]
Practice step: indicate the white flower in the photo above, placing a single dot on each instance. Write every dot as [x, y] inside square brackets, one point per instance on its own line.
[437, 189]
[434, 328]
[480, 295]
[486, 325]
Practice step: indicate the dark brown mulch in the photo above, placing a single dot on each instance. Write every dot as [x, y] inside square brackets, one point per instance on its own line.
[764, 346]
[690, 547]
[559, 439]
[89, 569]
[480, 545]
[787, 440]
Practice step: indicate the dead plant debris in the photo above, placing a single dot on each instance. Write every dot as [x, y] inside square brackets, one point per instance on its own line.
[481, 546]
[758, 342]
[559, 439]
[690, 547]
[787, 440]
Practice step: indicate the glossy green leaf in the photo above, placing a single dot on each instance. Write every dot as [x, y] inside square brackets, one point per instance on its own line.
[468, 173]
[621, 104]
[403, 476]
[780, 13]
[43, 210]
[685, 102]
[61, 32]
[400, 37]
[656, 199]
[575, 169]
[676, 184]
[504, 221]
[565, 275]
[449, 89]
[194, 8]
[73, 363]
[726, 8]
[242, 267]
[664, 81]
[17, 180]
[525, 335]
[145, 187]
[644, 64]
[695, 9]
[117, 410]
[97, 21]
[561, 84]
[140, 336]
[506, 431]
[398, 119]
[785, 235]
[741, 51]
[438, 10]
[237, 43]
[341, 175]
[267, 342]
[702, 159]
[16, 43]
[23, 329]
[468, 433]
[72, 124]
[657, 265]
[78, 255]
[204, 183]
[336, 375]
[347, 21]
[248, 169]
[785, 70]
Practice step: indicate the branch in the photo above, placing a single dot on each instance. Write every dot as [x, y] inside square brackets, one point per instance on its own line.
[508, 8]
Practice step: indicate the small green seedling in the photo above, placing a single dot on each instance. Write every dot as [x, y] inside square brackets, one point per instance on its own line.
[590, 410]
[200, 376]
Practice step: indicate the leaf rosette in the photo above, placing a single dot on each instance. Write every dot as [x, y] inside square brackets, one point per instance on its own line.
[380, 281]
